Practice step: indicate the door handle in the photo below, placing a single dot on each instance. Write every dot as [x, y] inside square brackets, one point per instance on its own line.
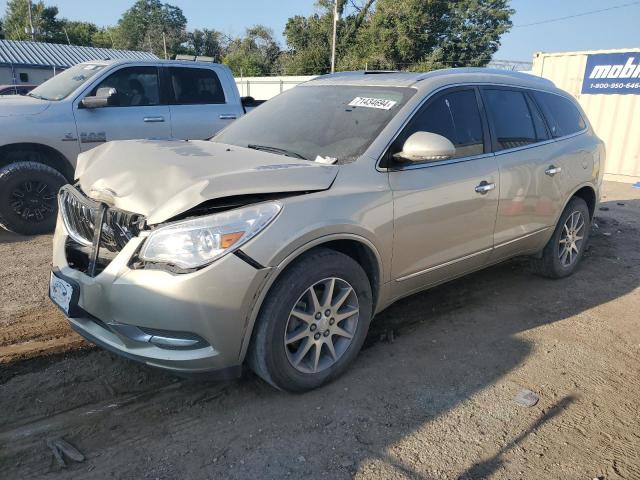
[552, 170]
[485, 187]
[153, 119]
[227, 116]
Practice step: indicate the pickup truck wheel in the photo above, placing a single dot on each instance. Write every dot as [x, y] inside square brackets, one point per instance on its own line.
[28, 197]
[313, 322]
[564, 250]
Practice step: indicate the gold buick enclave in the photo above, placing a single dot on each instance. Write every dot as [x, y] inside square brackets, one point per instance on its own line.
[277, 241]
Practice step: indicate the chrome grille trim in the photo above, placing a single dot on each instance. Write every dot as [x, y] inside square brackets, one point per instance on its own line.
[96, 226]
[79, 214]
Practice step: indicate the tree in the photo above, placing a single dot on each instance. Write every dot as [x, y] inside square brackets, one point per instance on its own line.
[397, 34]
[79, 33]
[47, 28]
[107, 37]
[143, 25]
[255, 54]
[309, 38]
[208, 43]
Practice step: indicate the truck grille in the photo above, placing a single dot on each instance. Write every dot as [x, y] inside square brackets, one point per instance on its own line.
[87, 220]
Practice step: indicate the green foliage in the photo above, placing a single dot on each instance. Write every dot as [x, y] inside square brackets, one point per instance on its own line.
[208, 43]
[108, 37]
[383, 34]
[79, 33]
[397, 34]
[143, 25]
[255, 54]
[16, 22]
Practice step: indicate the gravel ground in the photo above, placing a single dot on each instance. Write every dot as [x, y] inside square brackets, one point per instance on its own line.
[434, 400]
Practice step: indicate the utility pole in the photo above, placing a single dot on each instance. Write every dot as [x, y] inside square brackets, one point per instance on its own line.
[333, 43]
[164, 42]
[32, 30]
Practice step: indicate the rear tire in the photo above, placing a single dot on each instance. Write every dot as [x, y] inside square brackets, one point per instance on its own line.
[28, 197]
[562, 254]
[322, 350]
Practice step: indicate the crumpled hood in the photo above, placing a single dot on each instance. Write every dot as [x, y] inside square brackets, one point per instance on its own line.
[18, 105]
[161, 179]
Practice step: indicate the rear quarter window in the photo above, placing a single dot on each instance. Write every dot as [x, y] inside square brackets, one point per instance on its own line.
[563, 117]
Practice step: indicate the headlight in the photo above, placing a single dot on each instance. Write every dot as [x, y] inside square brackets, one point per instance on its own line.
[200, 241]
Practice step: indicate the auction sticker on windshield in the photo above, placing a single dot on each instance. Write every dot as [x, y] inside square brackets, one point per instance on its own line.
[380, 103]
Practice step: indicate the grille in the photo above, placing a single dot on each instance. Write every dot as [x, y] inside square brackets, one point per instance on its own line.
[79, 214]
[85, 220]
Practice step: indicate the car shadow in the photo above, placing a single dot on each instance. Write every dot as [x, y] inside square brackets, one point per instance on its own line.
[10, 237]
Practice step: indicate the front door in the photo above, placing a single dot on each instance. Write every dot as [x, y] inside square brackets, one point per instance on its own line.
[444, 211]
[140, 113]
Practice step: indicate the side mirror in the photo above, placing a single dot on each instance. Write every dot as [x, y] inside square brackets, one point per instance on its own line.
[104, 97]
[425, 147]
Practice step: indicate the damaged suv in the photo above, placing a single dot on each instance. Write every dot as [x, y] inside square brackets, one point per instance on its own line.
[276, 242]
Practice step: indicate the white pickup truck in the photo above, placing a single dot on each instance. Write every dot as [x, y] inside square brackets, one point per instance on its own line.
[42, 133]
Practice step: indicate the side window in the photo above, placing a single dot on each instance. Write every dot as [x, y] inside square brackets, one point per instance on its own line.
[196, 86]
[511, 118]
[453, 115]
[562, 115]
[538, 120]
[136, 86]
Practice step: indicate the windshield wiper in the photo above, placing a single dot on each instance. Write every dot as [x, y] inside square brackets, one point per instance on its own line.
[32, 95]
[281, 151]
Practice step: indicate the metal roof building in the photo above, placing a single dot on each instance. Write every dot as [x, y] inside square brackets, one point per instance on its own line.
[35, 62]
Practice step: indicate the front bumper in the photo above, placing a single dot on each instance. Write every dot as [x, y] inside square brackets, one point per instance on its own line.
[214, 304]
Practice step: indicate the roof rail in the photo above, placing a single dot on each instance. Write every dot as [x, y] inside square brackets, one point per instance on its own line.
[377, 72]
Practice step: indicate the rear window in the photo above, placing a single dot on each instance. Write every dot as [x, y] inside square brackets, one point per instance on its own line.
[511, 118]
[196, 86]
[562, 115]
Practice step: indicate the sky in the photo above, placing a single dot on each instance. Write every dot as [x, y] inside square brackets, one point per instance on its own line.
[612, 29]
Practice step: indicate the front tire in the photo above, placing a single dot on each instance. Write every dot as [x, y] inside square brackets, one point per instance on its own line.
[563, 252]
[313, 322]
[28, 197]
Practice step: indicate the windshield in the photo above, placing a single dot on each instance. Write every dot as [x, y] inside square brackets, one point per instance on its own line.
[60, 86]
[330, 122]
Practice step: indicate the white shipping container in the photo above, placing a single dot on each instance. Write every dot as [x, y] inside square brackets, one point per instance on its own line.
[615, 117]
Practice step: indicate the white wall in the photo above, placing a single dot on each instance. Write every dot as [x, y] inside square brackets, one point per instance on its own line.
[36, 75]
[264, 88]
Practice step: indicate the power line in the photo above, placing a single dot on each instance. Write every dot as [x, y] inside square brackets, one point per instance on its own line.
[550, 20]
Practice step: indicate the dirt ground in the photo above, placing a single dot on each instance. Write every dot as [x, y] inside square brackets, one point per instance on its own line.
[432, 401]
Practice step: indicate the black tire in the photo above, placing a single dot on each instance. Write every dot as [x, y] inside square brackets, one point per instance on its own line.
[267, 354]
[28, 203]
[549, 264]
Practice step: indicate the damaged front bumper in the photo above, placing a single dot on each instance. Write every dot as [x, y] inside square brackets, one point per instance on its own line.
[188, 323]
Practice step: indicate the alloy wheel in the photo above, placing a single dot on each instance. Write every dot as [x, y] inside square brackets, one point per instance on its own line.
[321, 325]
[33, 201]
[571, 239]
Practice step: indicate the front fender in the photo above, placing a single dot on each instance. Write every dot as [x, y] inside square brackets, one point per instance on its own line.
[277, 270]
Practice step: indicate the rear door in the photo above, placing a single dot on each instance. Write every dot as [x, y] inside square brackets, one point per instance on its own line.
[531, 196]
[444, 211]
[202, 101]
[140, 113]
